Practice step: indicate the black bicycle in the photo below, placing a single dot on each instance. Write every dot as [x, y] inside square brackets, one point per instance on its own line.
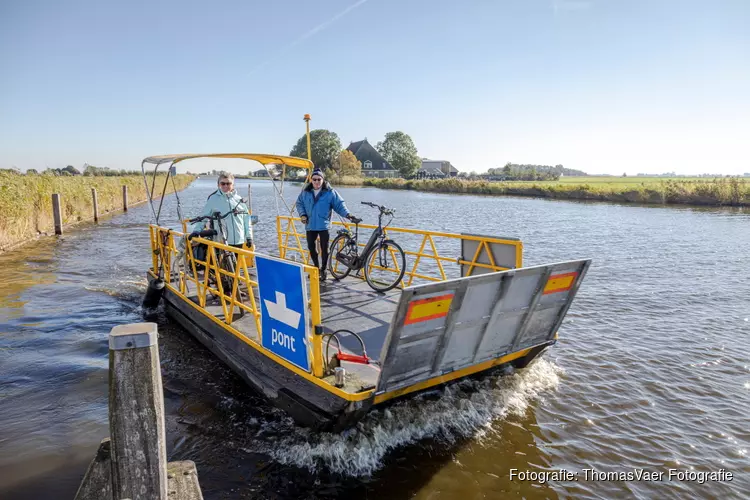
[227, 260]
[383, 260]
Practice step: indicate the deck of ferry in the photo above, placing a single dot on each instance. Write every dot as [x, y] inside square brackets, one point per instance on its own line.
[349, 304]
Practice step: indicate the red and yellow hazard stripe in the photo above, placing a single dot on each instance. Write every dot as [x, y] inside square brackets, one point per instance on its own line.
[427, 309]
[560, 283]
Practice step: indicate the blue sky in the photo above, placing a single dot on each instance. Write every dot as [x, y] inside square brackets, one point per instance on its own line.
[605, 86]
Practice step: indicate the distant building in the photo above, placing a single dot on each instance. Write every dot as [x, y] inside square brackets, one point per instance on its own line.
[373, 165]
[436, 169]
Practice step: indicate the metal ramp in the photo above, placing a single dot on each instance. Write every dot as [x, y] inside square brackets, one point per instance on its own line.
[448, 326]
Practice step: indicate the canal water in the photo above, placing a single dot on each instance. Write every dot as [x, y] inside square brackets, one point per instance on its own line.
[652, 370]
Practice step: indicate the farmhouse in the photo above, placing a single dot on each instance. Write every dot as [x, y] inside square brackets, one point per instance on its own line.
[373, 165]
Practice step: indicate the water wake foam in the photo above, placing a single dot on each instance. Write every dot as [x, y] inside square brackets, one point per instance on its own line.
[466, 409]
[127, 289]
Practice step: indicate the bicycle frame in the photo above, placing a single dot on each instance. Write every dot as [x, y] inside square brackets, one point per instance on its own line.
[227, 260]
[377, 234]
[216, 218]
[221, 231]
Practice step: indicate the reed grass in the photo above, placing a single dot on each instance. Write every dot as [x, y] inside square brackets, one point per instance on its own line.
[26, 200]
[722, 191]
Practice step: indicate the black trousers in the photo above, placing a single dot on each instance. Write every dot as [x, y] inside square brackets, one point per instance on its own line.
[324, 237]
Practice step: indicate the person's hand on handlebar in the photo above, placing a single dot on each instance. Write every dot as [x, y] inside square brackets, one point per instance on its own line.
[354, 218]
[206, 233]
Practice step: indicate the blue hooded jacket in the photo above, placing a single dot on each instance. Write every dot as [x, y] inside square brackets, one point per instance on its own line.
[238, 226]
[318, 210]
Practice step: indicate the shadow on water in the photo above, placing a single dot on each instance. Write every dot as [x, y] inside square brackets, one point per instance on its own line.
[35, 266]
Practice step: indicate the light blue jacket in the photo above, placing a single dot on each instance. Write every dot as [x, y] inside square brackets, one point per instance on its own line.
[238, 226]
[318, 210]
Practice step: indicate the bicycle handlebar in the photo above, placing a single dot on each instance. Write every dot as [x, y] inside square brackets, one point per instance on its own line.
[383, 210]
[217, 217]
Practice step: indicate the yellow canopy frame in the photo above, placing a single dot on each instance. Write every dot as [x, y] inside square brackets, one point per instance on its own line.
[265, 159]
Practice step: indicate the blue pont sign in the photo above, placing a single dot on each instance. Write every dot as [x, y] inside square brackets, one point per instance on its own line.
[283, 302]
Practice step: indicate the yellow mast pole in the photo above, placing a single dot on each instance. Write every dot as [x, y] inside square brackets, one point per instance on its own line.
[309, 151]
[317, 340]
[307, 123]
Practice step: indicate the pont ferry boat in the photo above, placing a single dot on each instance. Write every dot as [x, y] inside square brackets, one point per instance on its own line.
[328, 354]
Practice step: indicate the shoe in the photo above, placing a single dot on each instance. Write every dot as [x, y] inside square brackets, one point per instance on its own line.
[323, 276]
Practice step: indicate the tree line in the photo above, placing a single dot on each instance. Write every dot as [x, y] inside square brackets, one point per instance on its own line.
[397, 148]
[530, 172]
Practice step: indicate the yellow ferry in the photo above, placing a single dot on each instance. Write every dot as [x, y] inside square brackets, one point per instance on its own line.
[328, 354]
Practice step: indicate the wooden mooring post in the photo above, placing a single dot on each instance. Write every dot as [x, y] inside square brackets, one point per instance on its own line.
[57, 213]
[96, 204]
[136, 412]
[133, 464]
[124, 198]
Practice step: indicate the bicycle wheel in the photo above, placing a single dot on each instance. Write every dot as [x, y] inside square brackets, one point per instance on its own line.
[344, 249]
[385, 266]
[229, 263]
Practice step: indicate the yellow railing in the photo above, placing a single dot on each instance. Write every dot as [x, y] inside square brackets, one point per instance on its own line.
[425, 249]
[178, 270]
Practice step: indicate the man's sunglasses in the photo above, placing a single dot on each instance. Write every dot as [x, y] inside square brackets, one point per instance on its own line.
[316, 179]
[225, 183]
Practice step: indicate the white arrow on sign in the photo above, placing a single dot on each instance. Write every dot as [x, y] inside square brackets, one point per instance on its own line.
[280, 312]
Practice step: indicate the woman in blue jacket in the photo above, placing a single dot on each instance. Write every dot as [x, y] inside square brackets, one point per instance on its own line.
[314, 205]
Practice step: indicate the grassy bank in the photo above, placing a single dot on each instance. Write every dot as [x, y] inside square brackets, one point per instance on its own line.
[730, 191]
[26, 200]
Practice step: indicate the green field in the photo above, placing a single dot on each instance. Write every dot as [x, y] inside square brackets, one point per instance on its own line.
[626, 181]
[720, 191]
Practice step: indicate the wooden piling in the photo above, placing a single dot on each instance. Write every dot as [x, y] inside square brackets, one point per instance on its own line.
[97, 483]
[124, 198]
[96, 204]
[183, 481]
[133, 464]
[136, 413]
[57, 213]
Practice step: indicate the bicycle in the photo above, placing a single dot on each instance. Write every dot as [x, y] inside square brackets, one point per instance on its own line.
[227, 260]
[376, 256]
